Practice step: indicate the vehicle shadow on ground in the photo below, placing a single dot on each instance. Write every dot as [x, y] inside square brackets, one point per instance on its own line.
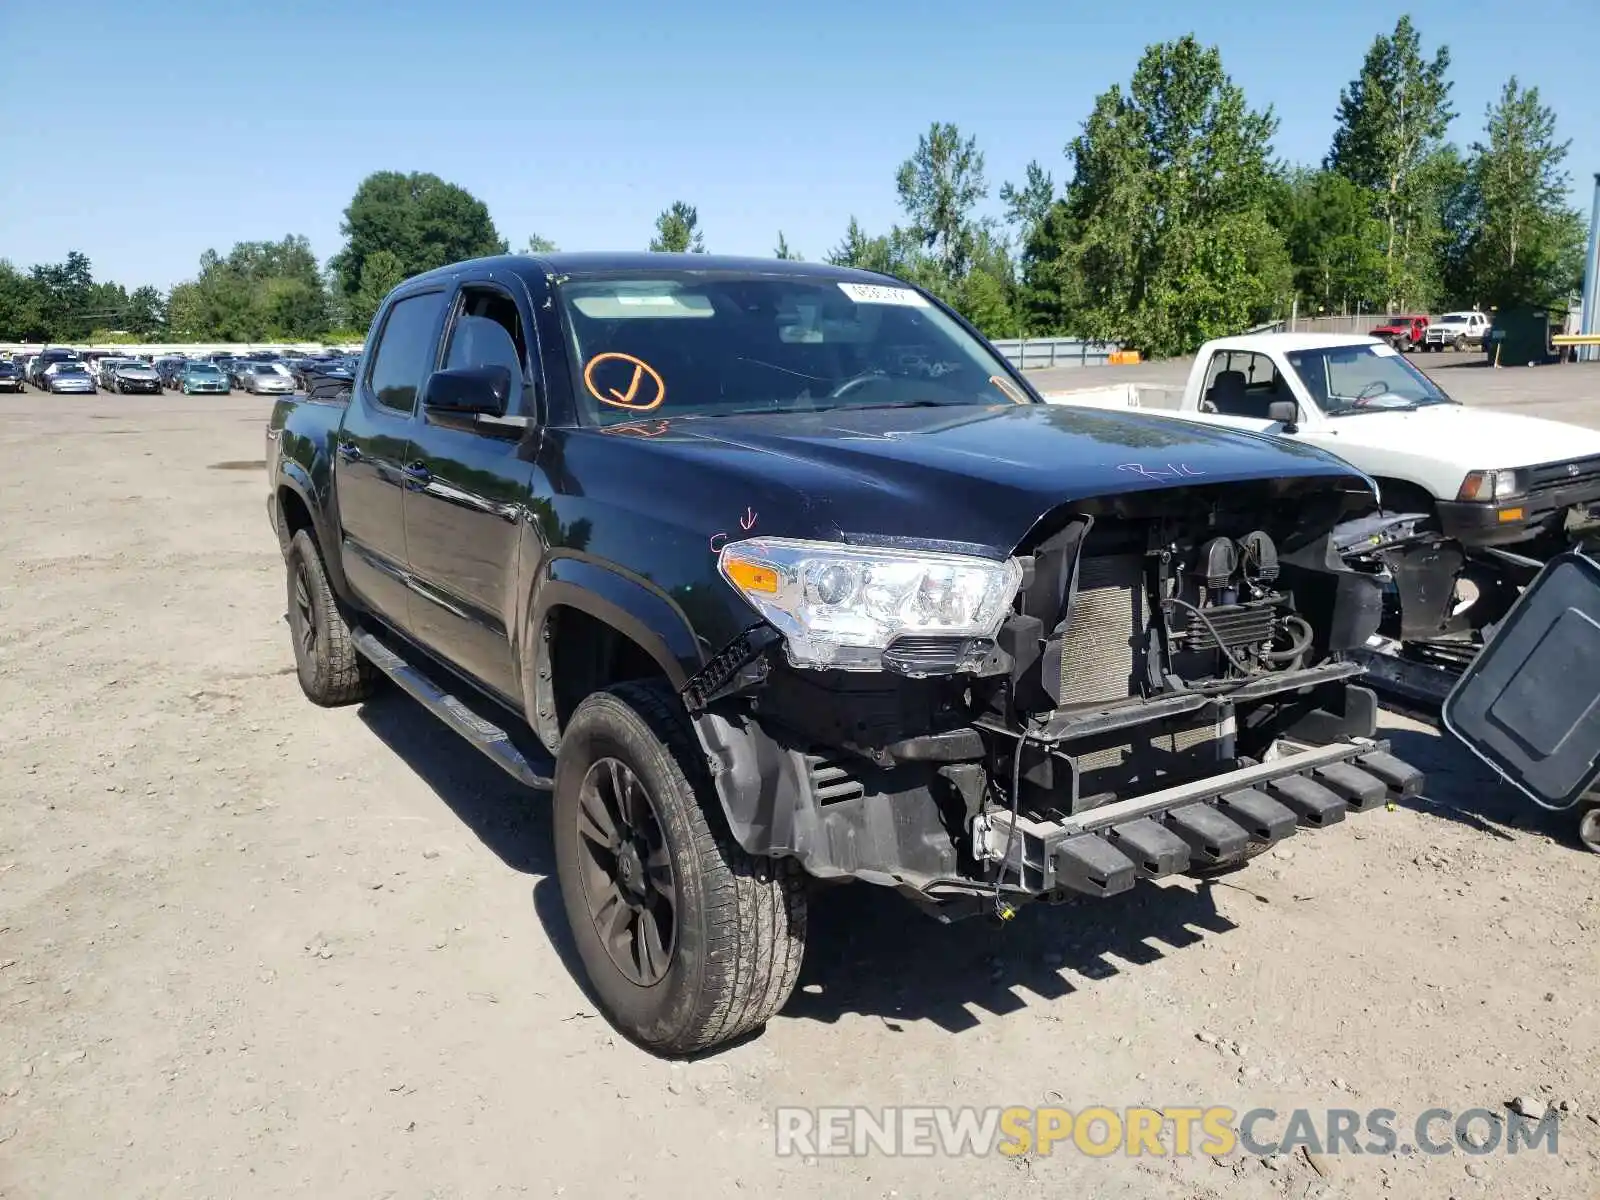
[510, 820]
[869, 952]
[1464, 790]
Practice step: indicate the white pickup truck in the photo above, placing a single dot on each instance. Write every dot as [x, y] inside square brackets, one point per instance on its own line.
[1457, 330]
[1488, 478]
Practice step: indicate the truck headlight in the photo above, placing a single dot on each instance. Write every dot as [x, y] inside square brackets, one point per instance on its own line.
[1491, 485]
[843, 606]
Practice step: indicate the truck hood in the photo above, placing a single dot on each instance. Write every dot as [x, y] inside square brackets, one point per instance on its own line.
[976, 477]
[1473, 439]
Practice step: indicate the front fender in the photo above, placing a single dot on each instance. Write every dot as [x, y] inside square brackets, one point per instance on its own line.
[628, 603]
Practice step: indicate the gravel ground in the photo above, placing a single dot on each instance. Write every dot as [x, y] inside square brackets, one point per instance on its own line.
[253, 948]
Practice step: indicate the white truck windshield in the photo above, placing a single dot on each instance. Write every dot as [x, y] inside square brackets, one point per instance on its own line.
[1368, 377]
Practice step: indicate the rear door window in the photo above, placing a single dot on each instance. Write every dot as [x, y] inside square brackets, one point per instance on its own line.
[406, 351]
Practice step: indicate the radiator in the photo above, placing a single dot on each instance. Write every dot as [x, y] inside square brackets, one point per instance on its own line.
[1101, 647]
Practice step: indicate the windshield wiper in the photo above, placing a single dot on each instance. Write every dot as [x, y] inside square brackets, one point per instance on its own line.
[1365, 410]
[898, 404]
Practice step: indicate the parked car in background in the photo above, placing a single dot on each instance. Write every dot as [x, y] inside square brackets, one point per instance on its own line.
[102, 367]
[203, 378]
[69, 377]
[331, 382]
[129, 375]
[1458, 330]
[1403, 333]
[47, 358]
[265, 379]
[169, 368]
[10, 376]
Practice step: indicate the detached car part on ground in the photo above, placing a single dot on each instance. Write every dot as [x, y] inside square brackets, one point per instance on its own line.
[792, 575]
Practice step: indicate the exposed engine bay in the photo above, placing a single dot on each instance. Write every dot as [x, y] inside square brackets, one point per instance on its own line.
[1187, 638]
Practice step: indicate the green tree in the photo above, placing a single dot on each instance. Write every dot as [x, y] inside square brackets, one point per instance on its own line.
[1164, 221]
[21, 306]
[382, 273]
[258, 291]
[987, 293]
[940, 186]
[782, 251]
[64, 290]
[185, 317]
[1392, 122]
[540, 245]
[678, 231]
[1334, 241]
[1524, 243]
[106, 308]
[1028, 204]
[147, 315]
[420, 219]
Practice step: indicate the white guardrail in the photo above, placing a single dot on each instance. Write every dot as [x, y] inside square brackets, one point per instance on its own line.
[1038, 353]
[242, 349]
[1027, 353]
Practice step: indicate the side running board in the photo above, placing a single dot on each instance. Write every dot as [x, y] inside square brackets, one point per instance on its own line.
[481, 733]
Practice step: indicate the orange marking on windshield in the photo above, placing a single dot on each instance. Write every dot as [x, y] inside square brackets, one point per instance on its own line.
[616, 397]
[1009, 388]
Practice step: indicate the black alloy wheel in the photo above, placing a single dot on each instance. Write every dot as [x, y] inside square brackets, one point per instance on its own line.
[305, 613]
[626, 871]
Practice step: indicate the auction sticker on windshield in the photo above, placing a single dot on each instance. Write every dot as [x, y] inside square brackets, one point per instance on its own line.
[872, 293]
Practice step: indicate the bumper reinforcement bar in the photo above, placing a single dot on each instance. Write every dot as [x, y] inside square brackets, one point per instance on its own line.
[1208, 823]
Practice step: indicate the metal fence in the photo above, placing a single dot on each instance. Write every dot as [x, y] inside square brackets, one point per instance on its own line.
[1365, 323]
[1035, 353]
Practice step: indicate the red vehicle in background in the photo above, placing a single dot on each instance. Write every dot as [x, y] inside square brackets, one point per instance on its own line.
[1403, 333]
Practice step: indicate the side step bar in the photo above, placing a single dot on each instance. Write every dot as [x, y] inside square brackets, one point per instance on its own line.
[481, 733]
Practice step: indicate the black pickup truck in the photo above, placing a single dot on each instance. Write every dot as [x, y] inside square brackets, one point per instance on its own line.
[772, 570]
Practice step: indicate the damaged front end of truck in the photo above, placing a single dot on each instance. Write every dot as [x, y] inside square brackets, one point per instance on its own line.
[1150, 682]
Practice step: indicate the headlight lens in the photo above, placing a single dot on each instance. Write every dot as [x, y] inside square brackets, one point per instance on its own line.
[842, 606]
[1490, 485]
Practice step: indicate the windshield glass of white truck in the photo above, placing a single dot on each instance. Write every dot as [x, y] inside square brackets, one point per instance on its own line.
[1344, 380]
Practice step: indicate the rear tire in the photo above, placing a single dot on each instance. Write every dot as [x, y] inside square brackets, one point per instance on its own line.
[702, 941]
[331, 672]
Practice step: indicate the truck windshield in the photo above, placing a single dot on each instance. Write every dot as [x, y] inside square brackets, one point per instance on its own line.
[718, 343]
[1367, 377]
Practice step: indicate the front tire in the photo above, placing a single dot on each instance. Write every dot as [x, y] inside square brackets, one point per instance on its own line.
[331, 672]
[688, 941]
[1460, 344]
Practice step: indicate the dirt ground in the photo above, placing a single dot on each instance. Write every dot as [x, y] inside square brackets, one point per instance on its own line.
[249, 947]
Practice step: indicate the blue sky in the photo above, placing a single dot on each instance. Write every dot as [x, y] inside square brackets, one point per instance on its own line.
[148, 133]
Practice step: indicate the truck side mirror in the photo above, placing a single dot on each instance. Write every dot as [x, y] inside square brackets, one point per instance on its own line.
[469, 391]
[1286, 413]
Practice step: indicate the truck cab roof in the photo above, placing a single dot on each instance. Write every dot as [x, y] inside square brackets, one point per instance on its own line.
[1267, 343]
